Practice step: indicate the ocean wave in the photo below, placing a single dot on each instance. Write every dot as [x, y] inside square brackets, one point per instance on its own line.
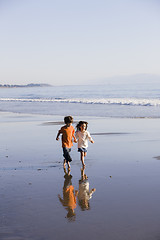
[118, 101]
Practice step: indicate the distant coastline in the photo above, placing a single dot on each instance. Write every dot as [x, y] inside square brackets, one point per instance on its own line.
[23, 86]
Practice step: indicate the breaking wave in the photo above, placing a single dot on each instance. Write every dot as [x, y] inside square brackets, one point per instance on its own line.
[118, 101]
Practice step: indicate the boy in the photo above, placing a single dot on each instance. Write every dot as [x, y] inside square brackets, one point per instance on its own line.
[67, 132]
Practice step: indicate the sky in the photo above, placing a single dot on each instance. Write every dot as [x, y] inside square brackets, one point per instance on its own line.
[78, 42]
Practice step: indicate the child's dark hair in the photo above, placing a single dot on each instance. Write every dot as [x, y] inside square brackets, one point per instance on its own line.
[80, 124]
[68, 119]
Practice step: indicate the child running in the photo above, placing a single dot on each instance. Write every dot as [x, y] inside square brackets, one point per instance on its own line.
[82, 135]
[67, 132]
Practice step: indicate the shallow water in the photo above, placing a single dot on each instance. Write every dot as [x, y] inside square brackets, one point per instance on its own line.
[113, 99]
[121, 167]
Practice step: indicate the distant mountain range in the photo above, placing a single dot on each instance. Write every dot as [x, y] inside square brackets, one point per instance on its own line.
[130, 79]
[23, 86]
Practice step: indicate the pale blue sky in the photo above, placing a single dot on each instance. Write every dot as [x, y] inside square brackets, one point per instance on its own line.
[73, 42]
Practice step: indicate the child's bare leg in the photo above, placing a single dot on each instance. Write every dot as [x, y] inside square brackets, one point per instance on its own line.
[82, 159]
[68, 165]
[64, 163]
[64, 168]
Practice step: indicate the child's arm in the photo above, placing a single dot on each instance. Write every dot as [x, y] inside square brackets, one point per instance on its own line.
[60, 199]
[74, 137]
[75, 140]
[91, 192]
[90, 138]
[76, 193]
[57, 138]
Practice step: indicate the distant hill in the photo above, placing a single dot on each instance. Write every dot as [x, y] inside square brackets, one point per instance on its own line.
[129, 79]
[23, 86]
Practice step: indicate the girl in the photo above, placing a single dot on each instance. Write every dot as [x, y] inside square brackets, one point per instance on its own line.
[82, 135]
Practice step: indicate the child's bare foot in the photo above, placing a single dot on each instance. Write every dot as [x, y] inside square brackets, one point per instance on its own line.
[85, 176]
[64, 168]
[69, 171]
[76, 193]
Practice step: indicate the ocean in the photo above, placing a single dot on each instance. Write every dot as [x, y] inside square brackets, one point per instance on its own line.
[113, 99]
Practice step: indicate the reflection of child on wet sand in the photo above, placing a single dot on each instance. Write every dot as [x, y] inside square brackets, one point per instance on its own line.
[83, 136]
[84, 195]
[69, 196]
[67, 132]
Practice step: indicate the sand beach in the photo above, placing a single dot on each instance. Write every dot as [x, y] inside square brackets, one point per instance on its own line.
[122, 165]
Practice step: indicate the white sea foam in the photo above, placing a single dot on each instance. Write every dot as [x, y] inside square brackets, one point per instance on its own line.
[108, 101]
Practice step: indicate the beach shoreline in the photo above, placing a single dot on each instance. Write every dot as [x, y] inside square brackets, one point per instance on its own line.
[122, 165]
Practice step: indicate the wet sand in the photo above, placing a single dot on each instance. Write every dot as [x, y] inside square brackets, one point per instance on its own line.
[122, 165]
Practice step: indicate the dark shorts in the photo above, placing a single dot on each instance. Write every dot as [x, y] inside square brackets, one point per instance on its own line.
[68, 181]
[66, 154]
[82, 150]
[83, 181]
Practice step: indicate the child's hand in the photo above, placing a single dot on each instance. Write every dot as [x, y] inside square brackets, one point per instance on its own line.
[75, 140]
[57, 138]
[76, 193]
[59, 196]
[92, 141]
